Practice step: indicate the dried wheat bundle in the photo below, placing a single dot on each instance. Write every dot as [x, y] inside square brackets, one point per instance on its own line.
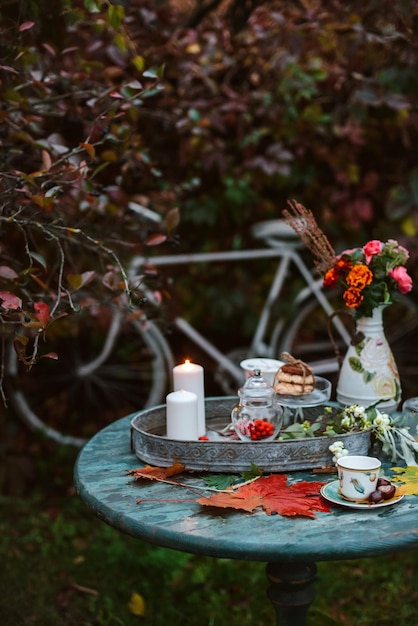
[303, 222]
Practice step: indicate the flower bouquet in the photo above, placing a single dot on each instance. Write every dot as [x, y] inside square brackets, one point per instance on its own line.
[371, 277]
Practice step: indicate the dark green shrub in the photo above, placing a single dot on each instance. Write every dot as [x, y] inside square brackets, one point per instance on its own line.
[113, 108]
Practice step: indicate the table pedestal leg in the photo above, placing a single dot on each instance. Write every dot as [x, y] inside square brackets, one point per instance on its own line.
[291, 591]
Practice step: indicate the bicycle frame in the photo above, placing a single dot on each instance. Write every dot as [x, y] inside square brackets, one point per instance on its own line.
[287, 254]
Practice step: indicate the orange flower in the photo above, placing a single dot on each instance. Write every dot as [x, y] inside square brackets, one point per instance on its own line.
[335, 273]
[353, 297]
[331, 278]
[359, 277]
[343, 264]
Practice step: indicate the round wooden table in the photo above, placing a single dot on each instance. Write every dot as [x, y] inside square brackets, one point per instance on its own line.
[289, 545]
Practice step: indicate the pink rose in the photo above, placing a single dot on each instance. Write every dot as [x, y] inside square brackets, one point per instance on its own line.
[372, 248]
[402, 277]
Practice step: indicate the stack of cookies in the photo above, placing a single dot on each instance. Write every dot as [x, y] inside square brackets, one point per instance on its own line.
[294, 378]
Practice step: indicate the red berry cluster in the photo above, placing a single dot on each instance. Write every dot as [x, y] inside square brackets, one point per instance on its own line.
[260, 429]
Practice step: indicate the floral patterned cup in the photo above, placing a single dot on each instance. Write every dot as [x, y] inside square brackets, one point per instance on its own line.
[358, 476]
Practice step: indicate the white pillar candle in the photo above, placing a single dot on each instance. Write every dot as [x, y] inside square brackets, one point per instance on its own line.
[181, 414]
[190, 376]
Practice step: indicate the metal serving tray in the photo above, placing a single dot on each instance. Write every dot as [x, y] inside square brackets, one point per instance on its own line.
[220, 454]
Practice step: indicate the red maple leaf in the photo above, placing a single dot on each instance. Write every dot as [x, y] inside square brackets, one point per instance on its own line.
[274, 496]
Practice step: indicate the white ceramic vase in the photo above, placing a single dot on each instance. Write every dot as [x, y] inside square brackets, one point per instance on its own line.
[369, 374]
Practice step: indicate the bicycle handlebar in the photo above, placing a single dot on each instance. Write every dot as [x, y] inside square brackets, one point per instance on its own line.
[278, 249]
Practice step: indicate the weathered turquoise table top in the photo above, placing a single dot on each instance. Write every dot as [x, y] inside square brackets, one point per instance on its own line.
[102, 483]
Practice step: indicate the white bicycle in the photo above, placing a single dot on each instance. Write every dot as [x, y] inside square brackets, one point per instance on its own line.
[112, 364]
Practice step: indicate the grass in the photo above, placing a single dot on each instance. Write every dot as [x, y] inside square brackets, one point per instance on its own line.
[61, 566]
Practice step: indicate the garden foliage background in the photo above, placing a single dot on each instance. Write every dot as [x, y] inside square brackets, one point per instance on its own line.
[212, 114]
[220, 110]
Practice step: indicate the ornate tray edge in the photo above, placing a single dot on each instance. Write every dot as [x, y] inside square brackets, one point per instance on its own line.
[235, 456]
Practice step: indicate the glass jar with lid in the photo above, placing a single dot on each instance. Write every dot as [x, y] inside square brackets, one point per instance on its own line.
[257, 416]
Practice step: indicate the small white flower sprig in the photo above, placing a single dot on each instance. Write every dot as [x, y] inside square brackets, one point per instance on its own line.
[396, 442]
[338, 450]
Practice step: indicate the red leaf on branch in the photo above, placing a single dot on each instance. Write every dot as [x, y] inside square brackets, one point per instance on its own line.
[50, 355]
[26, 26]
[9, 301]
[155, 239]
[274, 496]
[42, 312]
[7, 272]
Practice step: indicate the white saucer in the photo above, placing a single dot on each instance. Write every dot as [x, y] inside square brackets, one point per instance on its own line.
[331, 492]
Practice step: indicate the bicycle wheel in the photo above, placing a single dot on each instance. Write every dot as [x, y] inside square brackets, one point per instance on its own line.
[306, 337]
[107, 367]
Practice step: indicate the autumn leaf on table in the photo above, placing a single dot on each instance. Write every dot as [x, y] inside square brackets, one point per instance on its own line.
[271, 493]
[409, 476]
[157, 473]
[274, 495]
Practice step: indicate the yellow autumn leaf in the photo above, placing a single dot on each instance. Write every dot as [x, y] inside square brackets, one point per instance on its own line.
[79, 559]
[408, 476]
[137, 604]
[89, 148]
[46, 159]
[139, 63]
[193, 48]
[409, 227]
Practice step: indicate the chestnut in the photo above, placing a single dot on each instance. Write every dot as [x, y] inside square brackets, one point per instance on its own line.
[387, 491]
[383, 481]
[375, 497]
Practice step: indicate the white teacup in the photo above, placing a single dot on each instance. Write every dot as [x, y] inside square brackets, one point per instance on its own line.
[358, 476]
[268, 367]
